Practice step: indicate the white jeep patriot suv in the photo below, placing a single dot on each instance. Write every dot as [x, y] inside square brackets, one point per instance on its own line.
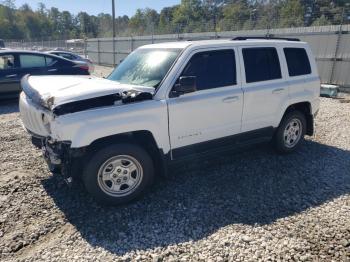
[168, 102]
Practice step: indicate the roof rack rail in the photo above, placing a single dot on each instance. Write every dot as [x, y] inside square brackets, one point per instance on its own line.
[266, 38]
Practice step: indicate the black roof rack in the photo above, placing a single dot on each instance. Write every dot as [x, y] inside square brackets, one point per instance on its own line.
[266, 38]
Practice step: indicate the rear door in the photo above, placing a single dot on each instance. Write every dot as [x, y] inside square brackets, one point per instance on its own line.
[304, 82]
[58, 66]
[264, 86]
[9, 75]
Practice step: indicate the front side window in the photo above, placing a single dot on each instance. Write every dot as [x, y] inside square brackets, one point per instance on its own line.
[212, 69]
[261, 64]
[297, 61]
[29, 61]
[145, 67]
[7, 62]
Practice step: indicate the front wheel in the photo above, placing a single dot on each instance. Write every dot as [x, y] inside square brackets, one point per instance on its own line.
[290, 132]
[118, 174]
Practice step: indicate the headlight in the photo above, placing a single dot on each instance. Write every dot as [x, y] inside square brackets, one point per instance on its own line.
[47, 103]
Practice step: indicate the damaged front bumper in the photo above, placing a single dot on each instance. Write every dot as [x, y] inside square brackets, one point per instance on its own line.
[61, 158]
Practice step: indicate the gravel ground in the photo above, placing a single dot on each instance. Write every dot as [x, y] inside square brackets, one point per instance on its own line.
[102, 71]
[249, 206]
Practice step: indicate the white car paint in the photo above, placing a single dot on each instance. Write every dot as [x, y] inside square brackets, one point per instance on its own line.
[206, 114]
[65, 89]
[174, 122]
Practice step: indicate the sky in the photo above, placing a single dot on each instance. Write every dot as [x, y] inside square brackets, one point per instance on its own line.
[94, 7]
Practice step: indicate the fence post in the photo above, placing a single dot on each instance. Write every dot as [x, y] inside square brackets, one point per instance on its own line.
[132, 44]
[113, 51]
[337, 47]
[152, 33]
[85, 48]
[98, 52]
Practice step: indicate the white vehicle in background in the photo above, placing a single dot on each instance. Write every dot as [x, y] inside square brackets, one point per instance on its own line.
[169, 102]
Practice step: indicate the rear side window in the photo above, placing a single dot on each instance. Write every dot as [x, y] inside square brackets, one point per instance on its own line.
[212, 69]
[67, 56]
[261, 64]
[28, 61]
[52, 62]
[7, 62]
[297, 61]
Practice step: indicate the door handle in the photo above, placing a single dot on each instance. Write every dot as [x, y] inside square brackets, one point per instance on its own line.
[230, 99]
[53, 70]
[278, 91]
[11, 76]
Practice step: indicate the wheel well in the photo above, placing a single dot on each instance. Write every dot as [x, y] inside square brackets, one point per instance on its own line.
[143, 138]
[305, 108]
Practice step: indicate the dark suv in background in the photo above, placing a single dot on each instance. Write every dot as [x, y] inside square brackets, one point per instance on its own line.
[15, 64]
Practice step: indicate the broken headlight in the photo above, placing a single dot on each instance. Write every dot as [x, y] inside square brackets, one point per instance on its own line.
[47, 103]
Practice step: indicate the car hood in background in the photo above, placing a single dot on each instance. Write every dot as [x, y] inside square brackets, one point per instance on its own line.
[66, 89]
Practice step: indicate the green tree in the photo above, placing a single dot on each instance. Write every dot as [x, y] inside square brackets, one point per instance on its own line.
[188, 17]
[144, 21]
[235, 15]
[292, 14]
[166, 20]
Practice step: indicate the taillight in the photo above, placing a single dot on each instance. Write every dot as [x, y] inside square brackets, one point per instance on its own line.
[84, 67]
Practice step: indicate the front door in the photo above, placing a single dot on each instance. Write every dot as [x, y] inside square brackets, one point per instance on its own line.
[205, 119]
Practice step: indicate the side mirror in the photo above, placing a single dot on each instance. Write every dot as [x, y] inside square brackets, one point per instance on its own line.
[186, 84]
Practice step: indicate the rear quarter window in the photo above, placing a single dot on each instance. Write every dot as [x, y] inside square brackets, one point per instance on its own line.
[297, 61]
[67, 56]
[56, 62]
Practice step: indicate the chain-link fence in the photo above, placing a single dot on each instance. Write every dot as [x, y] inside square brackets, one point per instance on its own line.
[330, 45]
[327, 32]
[77, 46]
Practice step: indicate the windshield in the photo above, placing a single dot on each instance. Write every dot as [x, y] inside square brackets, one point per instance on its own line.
[145, 67]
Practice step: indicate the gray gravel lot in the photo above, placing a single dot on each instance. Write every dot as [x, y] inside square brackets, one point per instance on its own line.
[102, 71]
[249, 206]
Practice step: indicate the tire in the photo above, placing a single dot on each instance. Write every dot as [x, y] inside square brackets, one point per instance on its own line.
[287, 140]
[118, 174]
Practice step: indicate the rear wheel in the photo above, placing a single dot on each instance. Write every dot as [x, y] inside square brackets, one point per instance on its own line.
[290, 132]
[118, 174]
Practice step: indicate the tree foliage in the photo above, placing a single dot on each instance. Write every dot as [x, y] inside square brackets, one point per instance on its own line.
[188, 16]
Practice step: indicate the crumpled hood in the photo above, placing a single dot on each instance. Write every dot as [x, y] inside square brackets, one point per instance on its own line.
[66, 89]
